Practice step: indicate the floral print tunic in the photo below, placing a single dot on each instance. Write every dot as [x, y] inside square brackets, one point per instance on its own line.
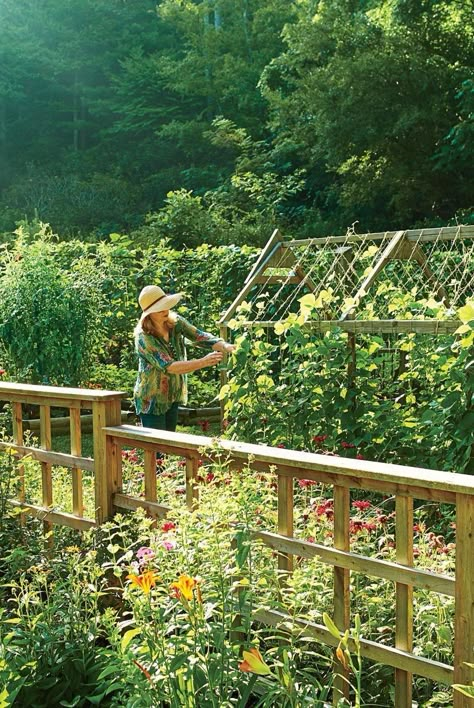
[156, 390]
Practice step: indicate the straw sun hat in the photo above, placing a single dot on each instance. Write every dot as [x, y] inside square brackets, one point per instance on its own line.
[153, 299]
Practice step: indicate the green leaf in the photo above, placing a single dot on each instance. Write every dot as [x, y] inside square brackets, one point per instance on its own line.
[331, 626]
[128, 636]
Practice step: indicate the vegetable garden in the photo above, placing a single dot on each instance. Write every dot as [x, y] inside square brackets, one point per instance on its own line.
[309, 572]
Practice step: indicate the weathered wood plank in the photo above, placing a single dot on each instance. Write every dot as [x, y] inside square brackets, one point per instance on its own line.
[341, 592]
[387, 570]
[54, 458]
[464, 602]
[408, 480]
[434, 670]
[62, 396]
[76, 472]
[17, 415]
[285, 519]
[430, 326]
[60, 518]
[125, 501]
[404, 597]
[447, 233]
[192, 491]
[150, 475]
[46, 476]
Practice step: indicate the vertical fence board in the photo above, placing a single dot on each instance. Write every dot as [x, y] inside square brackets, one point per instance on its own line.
[223, 377]
[17, 416]
[464, 598]
[192, 493]
[76, 450]
[46, 478]
[106, 477]
[150, 475]
[404, 597]
[341, 582]
[285, 518]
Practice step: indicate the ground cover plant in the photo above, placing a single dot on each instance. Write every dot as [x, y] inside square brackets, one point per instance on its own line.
[139, 613]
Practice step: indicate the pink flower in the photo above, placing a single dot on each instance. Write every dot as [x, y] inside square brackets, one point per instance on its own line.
[369, 525]
[168, 545]
[145, 554]
[310, 539]
[2, 372]
[361, 505]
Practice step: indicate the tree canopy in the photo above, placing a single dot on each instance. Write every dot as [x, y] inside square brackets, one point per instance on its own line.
[308, 114]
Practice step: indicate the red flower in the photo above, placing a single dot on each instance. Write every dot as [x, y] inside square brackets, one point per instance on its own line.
[359, 456]
[310, 539]
[210, 476]
[303, 483]
[356, 525]
[382, 518]
[361, 505]
[280, 445]
[168, 526]
[319, 438]
[347, 445]
[204, 425]
[2, 372]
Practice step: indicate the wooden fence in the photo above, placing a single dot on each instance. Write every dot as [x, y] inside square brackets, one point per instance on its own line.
[404, 483]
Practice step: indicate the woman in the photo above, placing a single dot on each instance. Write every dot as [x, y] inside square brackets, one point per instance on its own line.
[162, 364]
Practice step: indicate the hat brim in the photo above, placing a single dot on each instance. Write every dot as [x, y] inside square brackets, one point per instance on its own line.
[166, 303]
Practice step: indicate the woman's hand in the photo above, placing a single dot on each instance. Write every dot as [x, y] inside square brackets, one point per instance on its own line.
[224, 347]
[211, 359]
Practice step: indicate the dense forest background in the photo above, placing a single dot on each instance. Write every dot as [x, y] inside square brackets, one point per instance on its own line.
[215, 120]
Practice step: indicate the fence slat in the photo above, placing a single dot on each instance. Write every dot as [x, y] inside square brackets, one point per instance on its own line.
[76, 450]
[150, 475]
[46, 478]
[17, 415]
[404, 597]
[464, 622]
[285, 518]
[192, 492]
[341, 582]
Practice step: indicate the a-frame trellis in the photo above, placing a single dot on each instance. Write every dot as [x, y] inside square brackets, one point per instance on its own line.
[281, 263]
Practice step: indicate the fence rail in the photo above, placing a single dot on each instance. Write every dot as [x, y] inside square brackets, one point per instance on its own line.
[404, 483]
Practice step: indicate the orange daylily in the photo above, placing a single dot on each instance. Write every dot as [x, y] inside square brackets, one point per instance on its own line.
[184, 587]
[253, 663]
[342, 657]
[145, 581]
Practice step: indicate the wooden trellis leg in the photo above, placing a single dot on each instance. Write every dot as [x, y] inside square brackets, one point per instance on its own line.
[404, 598]
[192, 493]
[341, 583]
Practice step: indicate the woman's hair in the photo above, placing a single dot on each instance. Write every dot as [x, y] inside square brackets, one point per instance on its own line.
[169, 323]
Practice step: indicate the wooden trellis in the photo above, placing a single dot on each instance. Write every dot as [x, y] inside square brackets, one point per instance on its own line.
[281, 264]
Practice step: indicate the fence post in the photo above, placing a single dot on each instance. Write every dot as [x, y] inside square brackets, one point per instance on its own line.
[404, 597]
[104, 413]
[464, 598]
[341, 584]
[285, 518]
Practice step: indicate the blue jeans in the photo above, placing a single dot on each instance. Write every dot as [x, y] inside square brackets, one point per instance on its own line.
[164, 421]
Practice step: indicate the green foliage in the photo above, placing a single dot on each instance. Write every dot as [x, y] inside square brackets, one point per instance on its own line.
[292, 387]
[50, 319]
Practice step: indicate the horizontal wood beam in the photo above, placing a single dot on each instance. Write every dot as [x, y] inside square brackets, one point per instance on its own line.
[447, 233]
[64, 397]
[356, 472]
[125, 501]
[370, 326]
[434, 670]
[360, 564]
[48, 456]
[61, 518]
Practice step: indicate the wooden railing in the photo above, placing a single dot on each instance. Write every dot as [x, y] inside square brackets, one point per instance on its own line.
[404, 483]
[105, 406]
